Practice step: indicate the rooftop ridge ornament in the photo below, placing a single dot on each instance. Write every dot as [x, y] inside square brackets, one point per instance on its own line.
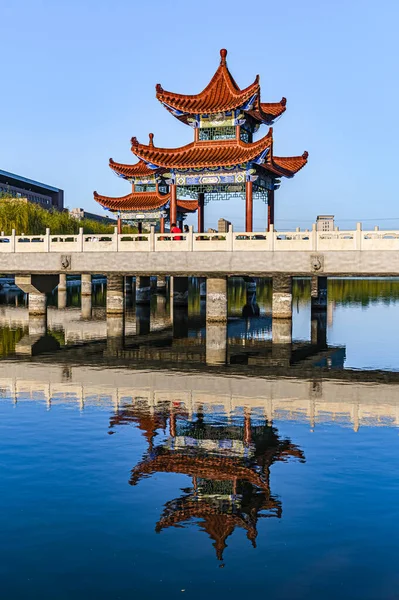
[151, 138]
[223, 54]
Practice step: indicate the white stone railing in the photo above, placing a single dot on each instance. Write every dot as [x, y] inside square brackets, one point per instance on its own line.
[271, 241]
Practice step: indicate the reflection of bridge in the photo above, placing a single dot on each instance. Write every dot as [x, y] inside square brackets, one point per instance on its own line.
[311, 399]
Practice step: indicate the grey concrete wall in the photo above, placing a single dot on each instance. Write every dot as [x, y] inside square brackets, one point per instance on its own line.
[205, 263]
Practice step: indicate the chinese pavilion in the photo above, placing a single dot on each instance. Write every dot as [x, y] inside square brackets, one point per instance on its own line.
[223, 161]
[228, 461]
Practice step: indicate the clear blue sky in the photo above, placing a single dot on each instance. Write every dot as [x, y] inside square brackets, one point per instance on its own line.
[78, 80]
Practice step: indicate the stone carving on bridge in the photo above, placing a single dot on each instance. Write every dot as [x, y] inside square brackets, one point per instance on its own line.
[317, 263]
[66, 262]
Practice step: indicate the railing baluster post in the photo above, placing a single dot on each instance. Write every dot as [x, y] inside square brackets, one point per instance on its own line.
[230, 237]
[272, 235]
[152, 238]
[358, 236]
[314, 237]
[13, 240]
[47, 240]
[80, 239]
[190, 238]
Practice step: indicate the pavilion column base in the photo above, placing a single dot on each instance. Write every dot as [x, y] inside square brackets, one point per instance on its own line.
[282, 297]
[180, 291]
[216, 299]
[115, 300]
[143, 290]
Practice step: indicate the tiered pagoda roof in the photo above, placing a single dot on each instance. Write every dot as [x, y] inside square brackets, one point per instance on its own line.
[143, 201]
[224, 105]
[230, 152]
[222, 94]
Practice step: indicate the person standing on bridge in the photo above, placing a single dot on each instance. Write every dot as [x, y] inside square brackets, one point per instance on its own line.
[175, 229]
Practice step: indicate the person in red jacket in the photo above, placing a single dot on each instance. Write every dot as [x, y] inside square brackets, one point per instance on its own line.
[175, 229]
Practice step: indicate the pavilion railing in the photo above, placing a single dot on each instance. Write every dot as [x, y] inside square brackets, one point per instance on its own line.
[232, 241]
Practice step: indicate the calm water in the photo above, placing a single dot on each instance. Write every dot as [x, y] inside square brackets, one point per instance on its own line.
[180, 460]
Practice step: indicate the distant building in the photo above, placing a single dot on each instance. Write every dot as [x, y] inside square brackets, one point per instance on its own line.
[325, 223]
[45, 195]
[80, 213]
[223, 226]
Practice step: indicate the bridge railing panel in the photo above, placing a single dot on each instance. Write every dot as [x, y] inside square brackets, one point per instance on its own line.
[252, 242]
[134, 242]
[32, 243]
[100, 243]
[65, 243]
[336, 241]
[172, 242]
[7, 243]
[211, 242]
[380, 240]
[294, 241]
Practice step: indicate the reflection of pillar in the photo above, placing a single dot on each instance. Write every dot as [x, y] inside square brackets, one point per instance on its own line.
[173, 204]
[216, 299]
[180, 291]
[282, 297]
[248, 206]
[201, 210]
[128, 285]
[216, 343]
[319, 311]
[161, 284]
[270, 208]
[318, 293]
[37, 303]
[143, 319]
[180, 321]
[282, 331]
[62, 292]
[86, 307]
[115, 294]
[37, 325]
[143, 290]
[115, 331]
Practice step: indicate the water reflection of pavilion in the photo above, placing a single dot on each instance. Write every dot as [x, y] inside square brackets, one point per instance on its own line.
[228, 460]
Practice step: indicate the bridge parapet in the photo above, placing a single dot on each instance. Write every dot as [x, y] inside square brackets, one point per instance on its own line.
[270, 241]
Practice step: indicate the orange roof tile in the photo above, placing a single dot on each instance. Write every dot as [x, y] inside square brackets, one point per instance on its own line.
[200, 154]
[140, 169]
[266, 112]
[143, 201]
[221, 94]
[134, 201]
[289, 165]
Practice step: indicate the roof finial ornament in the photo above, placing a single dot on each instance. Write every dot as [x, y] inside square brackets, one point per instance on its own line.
[223, 54]
[151, 143]
[134, 141]
[305, 155]
[159, 88]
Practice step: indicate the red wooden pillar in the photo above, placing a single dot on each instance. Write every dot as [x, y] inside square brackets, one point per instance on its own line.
[119, 224]
[201, 203]
[248, 206]
[173, 204]
[162, 225]
[270, 209]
